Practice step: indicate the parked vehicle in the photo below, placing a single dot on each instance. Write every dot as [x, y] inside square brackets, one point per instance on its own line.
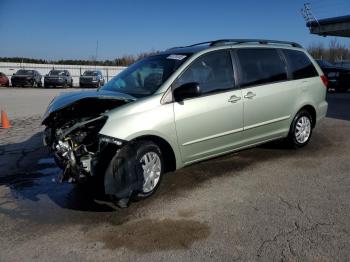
[338, 77]
[343, 63]
[91, 79]
[57, 78]
[185, 105]
[25, 77]
[4, 81]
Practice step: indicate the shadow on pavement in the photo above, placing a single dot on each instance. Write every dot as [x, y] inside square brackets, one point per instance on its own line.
[339, 105]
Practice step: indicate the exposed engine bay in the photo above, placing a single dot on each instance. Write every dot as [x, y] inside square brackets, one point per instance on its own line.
[72, 135]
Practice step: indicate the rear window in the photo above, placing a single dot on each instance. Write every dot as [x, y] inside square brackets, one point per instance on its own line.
[300, 65]
[261, 66]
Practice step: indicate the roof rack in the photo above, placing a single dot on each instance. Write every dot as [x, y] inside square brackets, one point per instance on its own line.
[243, 41]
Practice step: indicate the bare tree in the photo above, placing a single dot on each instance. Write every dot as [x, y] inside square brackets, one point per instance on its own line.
[334, 52]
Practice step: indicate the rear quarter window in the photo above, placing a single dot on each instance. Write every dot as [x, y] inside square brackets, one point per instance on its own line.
[299, 64]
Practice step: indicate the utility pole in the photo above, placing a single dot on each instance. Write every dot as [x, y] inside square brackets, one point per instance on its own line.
[96, 51]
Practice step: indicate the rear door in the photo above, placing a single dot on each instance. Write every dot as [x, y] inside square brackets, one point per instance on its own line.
[267, 95]
[212, 123]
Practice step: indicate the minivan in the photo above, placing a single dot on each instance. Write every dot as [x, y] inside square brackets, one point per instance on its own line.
[184, 105]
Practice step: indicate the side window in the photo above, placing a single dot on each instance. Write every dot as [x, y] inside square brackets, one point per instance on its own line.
[260, 66]
[300, 65]
[213, 72]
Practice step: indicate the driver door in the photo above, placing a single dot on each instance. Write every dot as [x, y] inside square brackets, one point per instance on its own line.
[212, 123]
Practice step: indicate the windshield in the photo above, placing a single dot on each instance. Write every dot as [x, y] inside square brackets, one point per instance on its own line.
[145, 77]
[324, 63]
[24, 72]
[90, 73]
[56, 73]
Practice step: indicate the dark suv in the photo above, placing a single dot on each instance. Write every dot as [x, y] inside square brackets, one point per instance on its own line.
[91, 79]
[338, 76]
[58, 78]
[26, 78]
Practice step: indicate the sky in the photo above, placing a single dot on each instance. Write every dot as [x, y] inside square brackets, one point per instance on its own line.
[54, 30]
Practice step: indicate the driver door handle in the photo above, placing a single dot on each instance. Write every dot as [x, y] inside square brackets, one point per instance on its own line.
[234, 99]
[250, 95]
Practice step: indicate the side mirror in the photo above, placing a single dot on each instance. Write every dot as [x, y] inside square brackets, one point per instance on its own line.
[187, 90]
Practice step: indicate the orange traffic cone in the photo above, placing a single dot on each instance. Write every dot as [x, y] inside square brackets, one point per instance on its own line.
[5, 123]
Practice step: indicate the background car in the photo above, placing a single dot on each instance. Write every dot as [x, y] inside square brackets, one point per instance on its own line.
[343, 63]
[338, 76]
[25, 77]
[58, 78]
[91, 79]
[4, 81]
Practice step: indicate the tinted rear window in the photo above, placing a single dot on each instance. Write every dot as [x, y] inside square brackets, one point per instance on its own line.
[300, 65]
[261, 66]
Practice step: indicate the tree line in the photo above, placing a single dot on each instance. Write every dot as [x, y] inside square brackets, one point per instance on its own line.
[334, 51]
[125, 60]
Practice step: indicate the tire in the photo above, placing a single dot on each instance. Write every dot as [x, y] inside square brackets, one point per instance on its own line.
[40, 84]
[302, 123]
[71, 83]
[143, 149]
[65, 85]
[124, 178]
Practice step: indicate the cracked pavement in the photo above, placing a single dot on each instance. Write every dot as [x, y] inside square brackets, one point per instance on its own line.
[263, 204]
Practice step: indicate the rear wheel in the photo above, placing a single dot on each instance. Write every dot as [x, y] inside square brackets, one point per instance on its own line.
[301, 130]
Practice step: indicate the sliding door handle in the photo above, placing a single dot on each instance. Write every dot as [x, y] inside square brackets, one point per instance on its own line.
[249, 95]
[234, 99]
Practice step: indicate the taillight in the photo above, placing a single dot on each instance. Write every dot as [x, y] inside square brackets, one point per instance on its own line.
[324, 80]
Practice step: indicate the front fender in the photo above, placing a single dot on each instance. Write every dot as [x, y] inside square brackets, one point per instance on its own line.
[144, 118]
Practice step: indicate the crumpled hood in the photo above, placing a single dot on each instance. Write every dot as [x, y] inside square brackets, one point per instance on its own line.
[68, 99]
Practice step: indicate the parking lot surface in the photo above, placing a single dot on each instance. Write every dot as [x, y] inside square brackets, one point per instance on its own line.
[262, 204]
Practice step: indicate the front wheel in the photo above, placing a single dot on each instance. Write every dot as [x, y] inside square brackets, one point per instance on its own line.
[301, 130]
[150, 159]
[134, 172]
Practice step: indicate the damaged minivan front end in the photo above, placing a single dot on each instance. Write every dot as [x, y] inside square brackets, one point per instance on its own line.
[73, 122]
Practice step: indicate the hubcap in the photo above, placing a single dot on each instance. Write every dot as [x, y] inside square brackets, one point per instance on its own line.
[302, 129]
[151, 166]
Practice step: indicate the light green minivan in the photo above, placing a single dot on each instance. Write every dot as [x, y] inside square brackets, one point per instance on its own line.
[185, 105]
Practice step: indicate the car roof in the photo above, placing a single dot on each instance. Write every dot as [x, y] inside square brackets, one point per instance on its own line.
[195, 48]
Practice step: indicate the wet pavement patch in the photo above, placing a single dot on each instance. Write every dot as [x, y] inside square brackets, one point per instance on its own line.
[37, 191]
[150, 235]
